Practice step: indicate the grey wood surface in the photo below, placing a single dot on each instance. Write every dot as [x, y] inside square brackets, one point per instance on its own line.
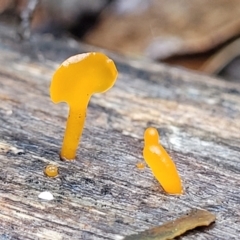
[102, 195]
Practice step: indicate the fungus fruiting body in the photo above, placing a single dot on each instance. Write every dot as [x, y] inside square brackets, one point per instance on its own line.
[161, 164]
[51, 170]
[140, 165]
[74, 82]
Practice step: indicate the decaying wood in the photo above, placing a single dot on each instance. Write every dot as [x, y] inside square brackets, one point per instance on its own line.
[103, 195]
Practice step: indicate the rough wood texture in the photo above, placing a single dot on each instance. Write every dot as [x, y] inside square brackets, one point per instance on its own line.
[103, 195]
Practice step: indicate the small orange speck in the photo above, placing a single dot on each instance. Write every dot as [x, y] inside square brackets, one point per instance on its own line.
[51, 170]
[140, 165]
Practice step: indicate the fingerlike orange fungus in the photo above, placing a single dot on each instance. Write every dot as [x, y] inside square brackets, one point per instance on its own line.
[161, 164]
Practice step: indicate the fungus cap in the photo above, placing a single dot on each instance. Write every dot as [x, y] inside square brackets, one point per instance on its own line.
[82, 75]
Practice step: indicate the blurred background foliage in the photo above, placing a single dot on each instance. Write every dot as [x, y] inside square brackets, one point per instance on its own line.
[200, 34]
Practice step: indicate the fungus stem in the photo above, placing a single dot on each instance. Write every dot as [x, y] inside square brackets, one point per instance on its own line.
[74, 129]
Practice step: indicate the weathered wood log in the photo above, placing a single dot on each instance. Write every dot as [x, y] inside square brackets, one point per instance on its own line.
[102, 195]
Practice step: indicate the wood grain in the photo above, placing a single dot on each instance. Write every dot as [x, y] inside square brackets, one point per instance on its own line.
[103, 195]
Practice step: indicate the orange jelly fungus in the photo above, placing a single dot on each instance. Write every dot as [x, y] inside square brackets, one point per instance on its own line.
[161, 164]
[51, 170]
[74, 82]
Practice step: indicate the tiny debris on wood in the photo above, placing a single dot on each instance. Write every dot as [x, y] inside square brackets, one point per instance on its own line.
[5, 148]
[175, 228]
[46, 196]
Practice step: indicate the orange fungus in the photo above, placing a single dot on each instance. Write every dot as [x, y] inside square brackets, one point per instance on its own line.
[140, 165]
[74, 82]
[51, 170]
[161, 164]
